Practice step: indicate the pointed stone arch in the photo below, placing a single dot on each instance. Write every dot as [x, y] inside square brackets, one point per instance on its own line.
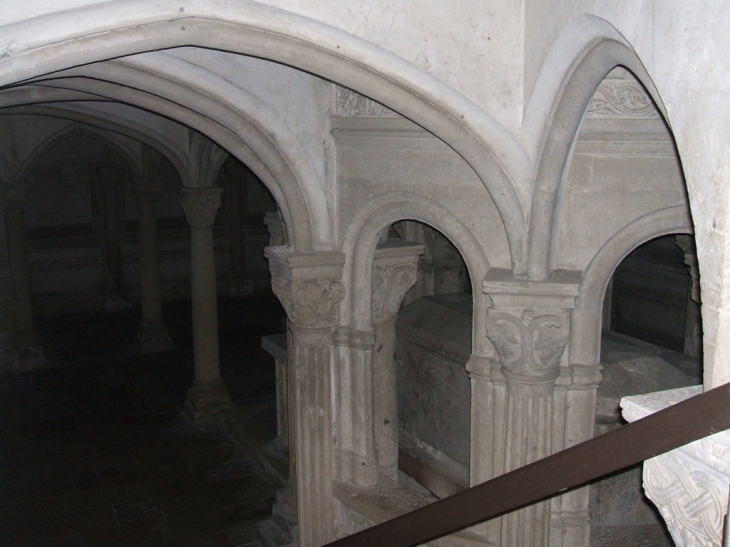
[104, 32]
[601, 50]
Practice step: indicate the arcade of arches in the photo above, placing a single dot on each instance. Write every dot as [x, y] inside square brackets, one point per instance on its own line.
[481, 244]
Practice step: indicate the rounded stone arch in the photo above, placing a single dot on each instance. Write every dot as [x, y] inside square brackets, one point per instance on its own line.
[113, 30]
[585, 343]
[52, 140]
[600, 50]
[270, 150]
[362, 237]
[94, 118]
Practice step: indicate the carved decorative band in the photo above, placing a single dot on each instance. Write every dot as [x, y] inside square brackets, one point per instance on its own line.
[354, 105]
[621, 99]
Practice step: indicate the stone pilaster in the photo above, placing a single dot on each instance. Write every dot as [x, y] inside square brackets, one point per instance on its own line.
[395, 268]
[693, 318]
[29, 352]
[110, 182]
[151, 335]
[208, 394]
[310, 290]
[529, 326]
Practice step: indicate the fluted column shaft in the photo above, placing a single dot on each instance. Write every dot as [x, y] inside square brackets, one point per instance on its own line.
[529, 325]
[152, 334]
[208, 394]
[310, 290]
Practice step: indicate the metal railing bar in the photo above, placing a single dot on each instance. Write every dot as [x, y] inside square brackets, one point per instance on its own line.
[670, 428]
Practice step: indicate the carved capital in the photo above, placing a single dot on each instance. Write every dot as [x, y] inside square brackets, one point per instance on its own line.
[529, 346]
[147, 188]
[14, 195]
[390, 285]
[309, 303]
[200, 205]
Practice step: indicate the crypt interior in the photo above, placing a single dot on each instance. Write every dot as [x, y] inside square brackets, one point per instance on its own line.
[258, 292]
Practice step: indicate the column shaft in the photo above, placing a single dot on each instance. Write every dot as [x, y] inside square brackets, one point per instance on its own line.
[309, 288]
[151, 334]
[209, 394]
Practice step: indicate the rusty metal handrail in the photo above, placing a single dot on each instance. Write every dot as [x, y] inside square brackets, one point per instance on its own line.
[670, 428]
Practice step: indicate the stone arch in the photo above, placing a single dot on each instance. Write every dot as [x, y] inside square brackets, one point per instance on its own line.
[270, 150]
[89, 117]
[362, 237]
[585, 344]
[25, 168]
[104, 32]
[602, 50]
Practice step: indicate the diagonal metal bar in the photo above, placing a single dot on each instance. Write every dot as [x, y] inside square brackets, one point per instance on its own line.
[670, 428]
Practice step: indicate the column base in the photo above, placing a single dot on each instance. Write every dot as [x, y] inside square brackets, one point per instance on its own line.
[207, 400]
[152, 337]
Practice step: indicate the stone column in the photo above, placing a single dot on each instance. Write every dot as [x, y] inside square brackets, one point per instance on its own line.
[25, 339]
[208, 394]
[110, 182]
[310, 290]
[277, 230]
[394, 272]
[151, 335]
[529, 325]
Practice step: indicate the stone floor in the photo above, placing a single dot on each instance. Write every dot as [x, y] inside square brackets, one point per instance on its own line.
[96, 451]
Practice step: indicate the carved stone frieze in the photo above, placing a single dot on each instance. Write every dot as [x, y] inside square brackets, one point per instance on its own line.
[619, 98]
[309, 303]
[354, 105]
[200, 205]
[390, 285]
[531, 346]
[691, 498]
[147, 188]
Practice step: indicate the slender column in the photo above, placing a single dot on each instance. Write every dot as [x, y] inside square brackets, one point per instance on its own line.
[394, 273]
[529, 325]
[110, 182]
[693, 319]
[209, 394]
[25, 339]
[151, 335]
[310, 290]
